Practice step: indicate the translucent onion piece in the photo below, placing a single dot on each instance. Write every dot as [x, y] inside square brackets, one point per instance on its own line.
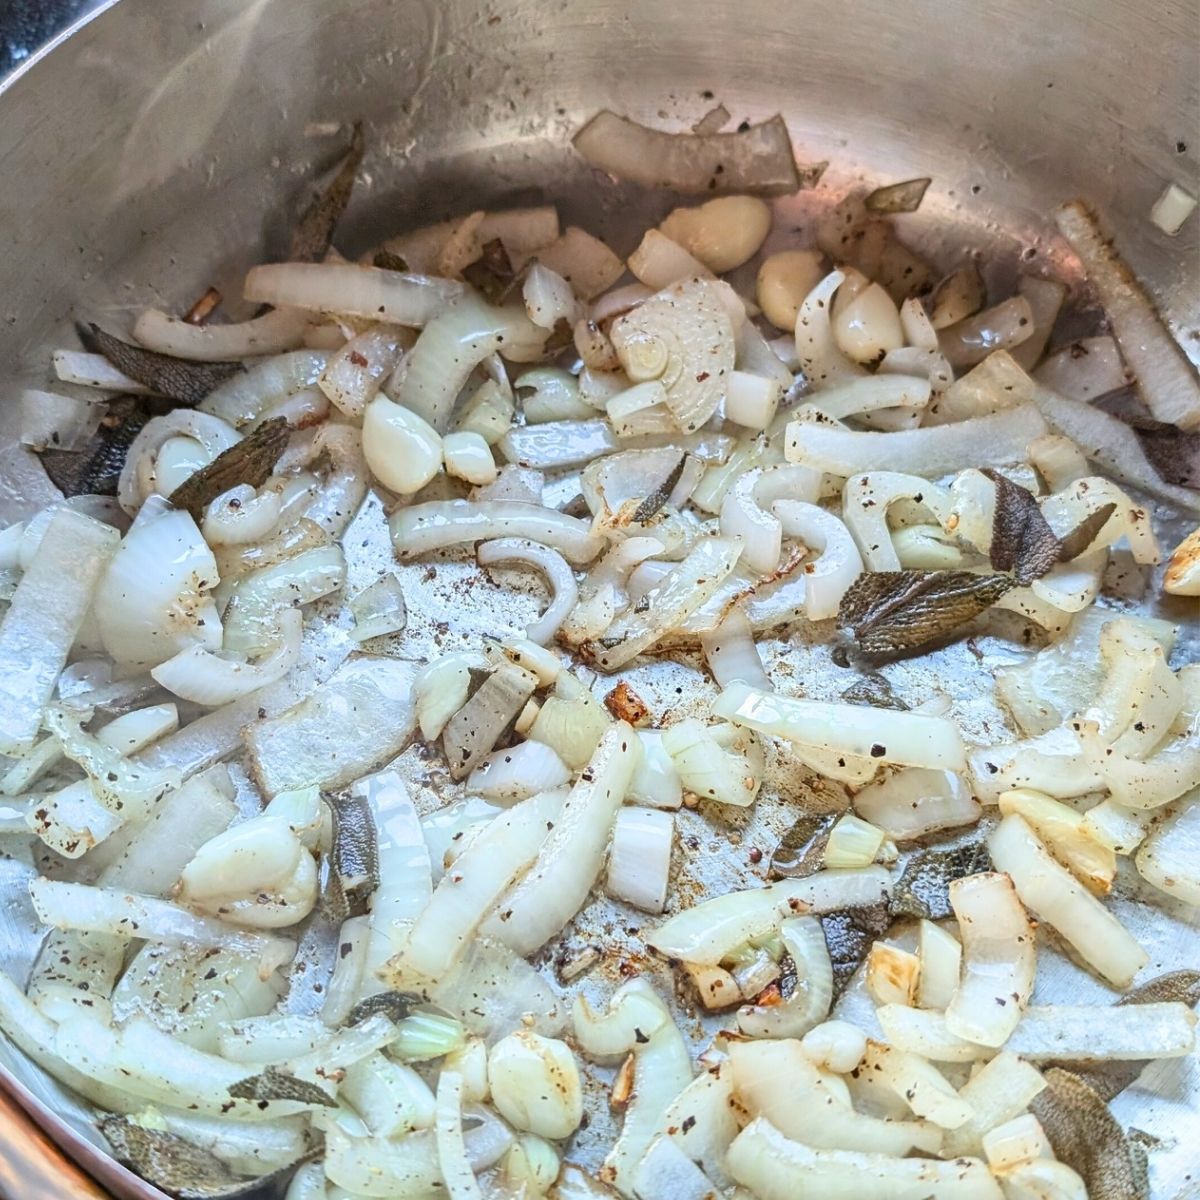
[716, 762]
[747, 510]
[1165, 378]
[379, 609]
[1054, 896]
[564, 592]
[1067, 836]
[987, 441]
[1001, 327]
[774, 1167]
[241, 516]
[249, 394]
[911, 739]
[584, 261]
[272, 333]
[804, 940]
[200, 676]
[518, 772]
[550, 394]
[1170, 856]
[997, 1092]
[758, 159]
[913, 801]
[556, 444]
[818, 584]
[349, 290]
[660, 261]
[452, 346]
[639, 859]
[571, 856]
[548, 297]
[94, 370]
[138, 478]
[777, 1082]
[821, 359]
[681, 592]
[152, 602]
[865, 502]
[353, 375]
[999, 959]
[492, 862]
[731, 653]
[109, 910]
[1085, 369]
[49, 420]
[359, 718]
[453, 1164]
[436, 524]
[44, 618]
[707, 932]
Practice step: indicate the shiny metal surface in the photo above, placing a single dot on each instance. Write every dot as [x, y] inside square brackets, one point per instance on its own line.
[162, 147]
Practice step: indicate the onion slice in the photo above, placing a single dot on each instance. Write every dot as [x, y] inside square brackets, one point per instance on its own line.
[564, 592]
[274, 332]
[1166, 380]
[999, 959]
[437, 524]
[758, 159]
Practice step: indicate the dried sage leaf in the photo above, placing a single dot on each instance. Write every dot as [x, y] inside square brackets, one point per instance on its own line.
[351, 869]
[1086, 1136]
[661, 494]
[923, 889]
[902, 197]
[393, 1005]
[388, 261]
[801, 850]
[1022, 541]
[475, 729]
[492, 274]
[249, 461]
[177, 378]
[175, 1165]
[875, 690]
[313, 234]
[274, 1084]
[95, 469]
[1084, 534]
[890, 613]
[849, 934]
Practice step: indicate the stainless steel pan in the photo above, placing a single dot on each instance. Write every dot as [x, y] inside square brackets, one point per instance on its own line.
[160, 146]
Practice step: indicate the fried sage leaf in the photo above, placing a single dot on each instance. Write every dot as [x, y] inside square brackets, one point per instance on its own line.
[891, 613]
[177, 378]
[802, 848]
[849, 934]
[492, 273]
[249, 461]
[394, 1005]
[486, 717]
[1111, 1079]
[95, 469]
[167, 1161]
[1086, 1136]
[923, 889]
[313, 234]
[661, 494]
[902, 197]
[273, 1084]
[388, 260]
[1022, 540]
[875, 690]
[350, 872]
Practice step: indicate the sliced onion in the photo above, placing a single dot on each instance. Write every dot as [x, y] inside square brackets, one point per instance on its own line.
[659, 262]
[731, 653]
[548, 297]
[493, 861]
[1085, 369]
[563, 588]
[911, 739]
[997, 1092]
[746, 511]
[241, 515]
[584, 261]
[453, 1163]
[819, 584]
[138, 479]
[708, 932]
[1170, 857]
[556, 444]
[153, 600]
[804, 940]
[640, 858]
[1165, 378]
[681, 593]
[998, 959]
[1112, 444]
[349, 290]
[248, 394]
[518, 772]
[774, 1167]
[53, 421]
[1054, 896]
[274, 332]
[716, 762]
[353, 375]
[200, 676]
[440, 523]
[94, 370]
[821, 359]
[44, 618]
[914, 801]
[986, 441]
[1001, 327]
[758, 159]
[865, 502]
[569, 861]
